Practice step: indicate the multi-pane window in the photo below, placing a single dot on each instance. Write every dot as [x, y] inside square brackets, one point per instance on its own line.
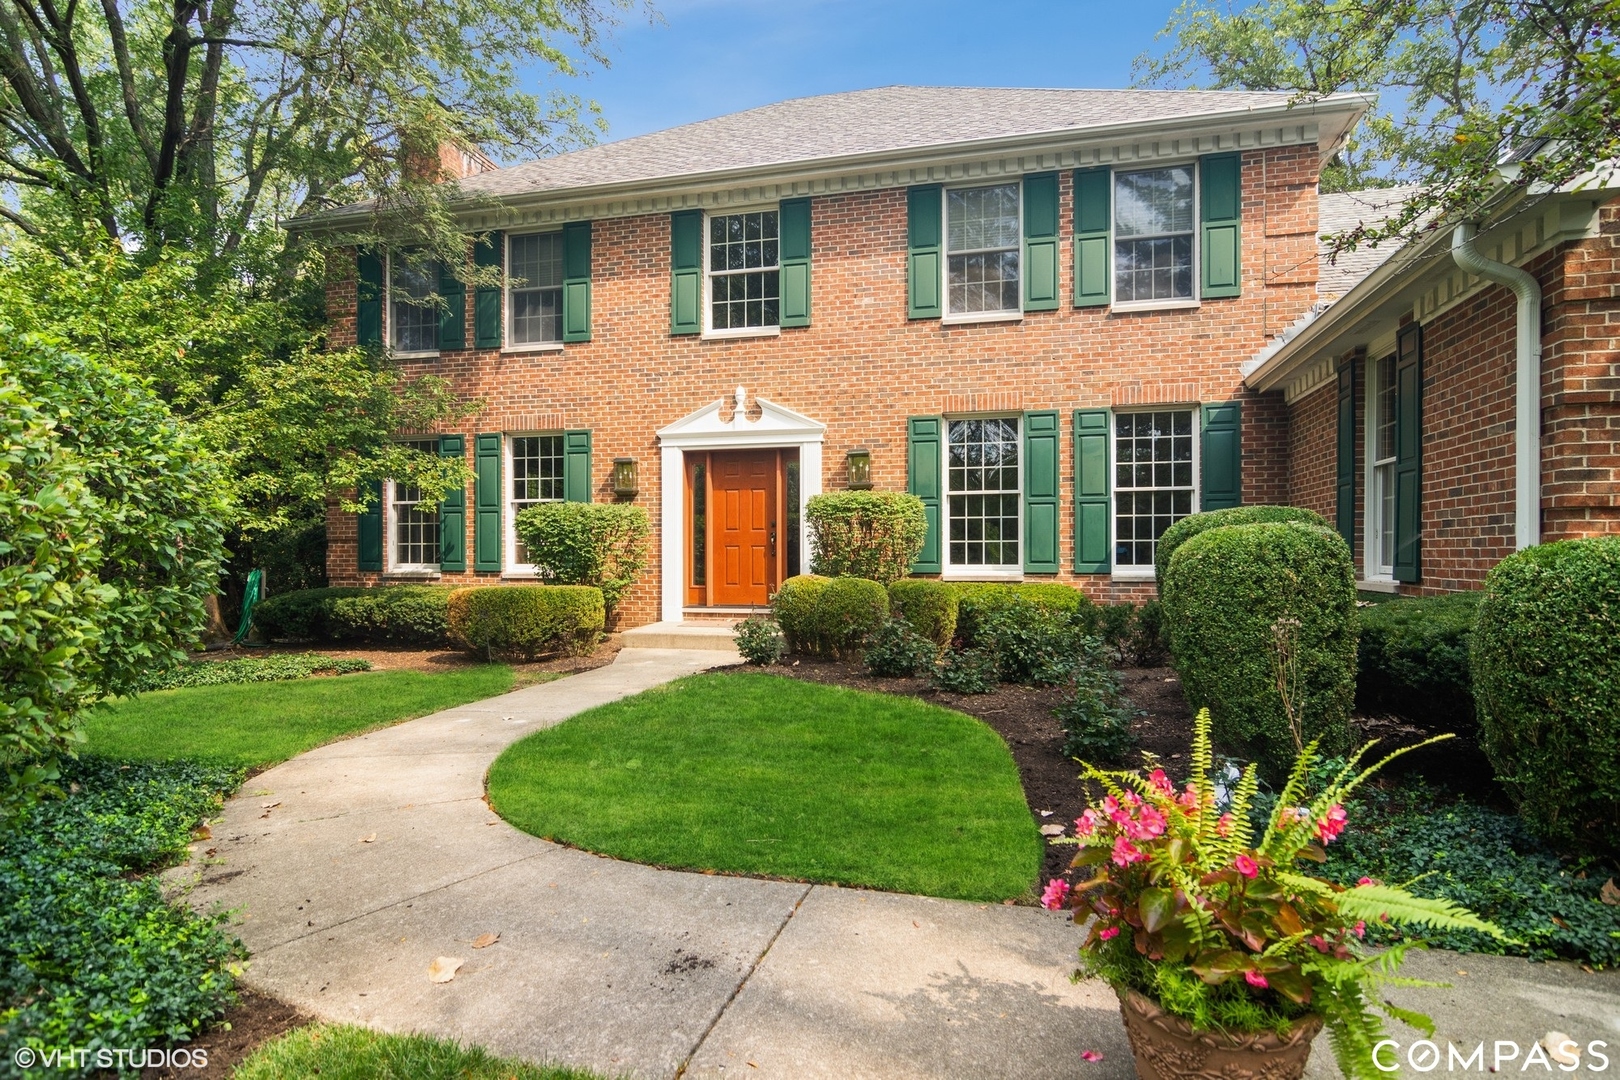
[1153, 481]
[413, 523]
[537, 477]
[1153, 235]
[982, 489]
[982, 233]
[744, 281]
[536, 270]
[413, 311]
[1383, 463]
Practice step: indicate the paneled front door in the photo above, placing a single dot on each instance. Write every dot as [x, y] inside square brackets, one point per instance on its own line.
[745, 484]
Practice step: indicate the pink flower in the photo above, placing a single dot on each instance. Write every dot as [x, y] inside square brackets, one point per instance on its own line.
[1110, 805]
[1130, 798]
[1360, 929]
[1150, 823]
[1161, 782]
[1255, 979]
[1367, 881]
[1126, 852]
[1246, 866]
[1189, 799]
[1090, 1055]
[1086, 824]
[1318, 943]
[1329, 828]
[1108, 933]
[1056, 890]
[1223, 826]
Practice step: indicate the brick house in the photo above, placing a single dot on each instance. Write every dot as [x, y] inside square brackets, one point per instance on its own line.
[1054, 315]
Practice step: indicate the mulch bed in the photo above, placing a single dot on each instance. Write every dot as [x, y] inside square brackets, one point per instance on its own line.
[254, 1020]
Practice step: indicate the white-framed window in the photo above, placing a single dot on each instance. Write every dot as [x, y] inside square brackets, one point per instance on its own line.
[744, 271]
[1381, 404]
[983, 496]
[534, 470]
[1155, 236]
[983, 246]
[413, 523]
[1155, 482]
[413, 308]
[534, 295]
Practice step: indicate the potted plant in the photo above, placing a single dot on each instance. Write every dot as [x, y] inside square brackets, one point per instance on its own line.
[1228, 959]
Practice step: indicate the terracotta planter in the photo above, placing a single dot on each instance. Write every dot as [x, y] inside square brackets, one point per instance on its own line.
[1167, 1048]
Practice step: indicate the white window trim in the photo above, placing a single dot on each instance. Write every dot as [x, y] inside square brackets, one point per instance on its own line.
[1373, 573]
[949, 317]
[1147, 573]
[508, 342]
[1183, 303]
[949, 571]
[707, 299]
[388, 317]
[510, 567]
[390, 544]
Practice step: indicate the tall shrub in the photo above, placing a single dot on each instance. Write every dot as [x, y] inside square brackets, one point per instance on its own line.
[598, 544]
[1253, 606]
[1191, 526]
[1546, 673]
[868, 534]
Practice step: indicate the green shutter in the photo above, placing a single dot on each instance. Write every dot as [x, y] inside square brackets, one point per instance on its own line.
[577, 281]
[1409, 455]
[1345, 507]
[1221, 195]
[453, 315]
[370, 524]
[487, 504]
[686, 272]
[1092, 554]
[1093, 219]
[577, 466]
[453, 511]
[923, 476]
[368, 308]
[1042, 432]
[1223, 457]
[924, 235]
[488, 253]
[1041, 243]
[794, 230]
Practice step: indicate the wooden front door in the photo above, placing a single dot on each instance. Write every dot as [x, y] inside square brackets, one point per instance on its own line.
[744, 485]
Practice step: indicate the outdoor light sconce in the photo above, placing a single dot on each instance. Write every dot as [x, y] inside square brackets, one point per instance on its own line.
[859, 464]
[624, 477]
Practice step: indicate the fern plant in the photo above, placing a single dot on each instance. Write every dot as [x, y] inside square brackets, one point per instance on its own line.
[1222, 927]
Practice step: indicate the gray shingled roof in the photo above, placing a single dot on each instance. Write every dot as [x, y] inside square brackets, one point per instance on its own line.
[1344, 210]
[889, 118]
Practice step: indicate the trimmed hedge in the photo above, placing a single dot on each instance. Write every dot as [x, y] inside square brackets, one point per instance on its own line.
[849, 609]
[929, 606]
[1546, 674]
[1191, 526]
[1225, 590]
[794, 606]
[522, 620]
[867, 534]
[1413, 660]
[979, 599]
[389, 614]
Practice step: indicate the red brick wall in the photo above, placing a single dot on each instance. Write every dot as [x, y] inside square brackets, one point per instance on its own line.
[862, 367]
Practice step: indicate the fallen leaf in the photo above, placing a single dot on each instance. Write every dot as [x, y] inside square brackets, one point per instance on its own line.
[369, 838]
[1045, 813]
[751, 1065]
[1561, 1048]
[270, 805]
[1090, 1055]
[1052, 830]
[1560, 922]
[1460, 971]
[484, 941]
[1609, 894]
[202, 832]
[444, 968]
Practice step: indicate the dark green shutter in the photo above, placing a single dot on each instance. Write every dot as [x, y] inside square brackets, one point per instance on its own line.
[577, 466]
[368, 292]
[924, 236]
[453, 511]
[923, 477]
[1093, 214]
[1041, 243]
[1409, 454]
[453, 315]
[487, 504]
[1042, 432]
[1092, 553]
[488, 253]
[1221, 193]
[686, 272]
[1345, 507]
[1223, 457]
[370, 524]
[577, 281]
[794, 230]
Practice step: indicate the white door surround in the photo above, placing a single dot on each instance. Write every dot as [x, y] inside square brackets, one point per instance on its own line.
[775, 427]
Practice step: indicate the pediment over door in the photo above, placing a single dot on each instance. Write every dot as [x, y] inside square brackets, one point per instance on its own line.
[738, 420]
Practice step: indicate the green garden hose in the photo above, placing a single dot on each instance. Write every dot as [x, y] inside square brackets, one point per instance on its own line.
[250, 600]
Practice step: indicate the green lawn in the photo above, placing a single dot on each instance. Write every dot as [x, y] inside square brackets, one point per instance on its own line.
[256, 724]
[762, 774]
[341, 1052]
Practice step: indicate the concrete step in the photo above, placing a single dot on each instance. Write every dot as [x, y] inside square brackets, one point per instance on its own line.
[715, 636]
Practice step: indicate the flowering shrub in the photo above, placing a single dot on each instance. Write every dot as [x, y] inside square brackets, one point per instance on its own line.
[1220, 927]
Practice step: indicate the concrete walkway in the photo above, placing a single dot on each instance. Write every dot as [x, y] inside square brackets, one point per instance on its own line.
[352, 867]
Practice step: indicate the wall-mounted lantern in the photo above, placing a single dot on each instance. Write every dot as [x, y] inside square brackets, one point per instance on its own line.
[624, 477]
[859, 464]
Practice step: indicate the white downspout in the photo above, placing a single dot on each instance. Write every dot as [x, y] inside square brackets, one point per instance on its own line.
[1527, 398]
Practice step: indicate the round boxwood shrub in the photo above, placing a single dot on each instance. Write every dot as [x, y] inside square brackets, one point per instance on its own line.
[1226, 594]
[848, 609]
[794, 606]
[1546, 673]
[928, 606]
[1191, 526]
[869, 534]
[522, 620]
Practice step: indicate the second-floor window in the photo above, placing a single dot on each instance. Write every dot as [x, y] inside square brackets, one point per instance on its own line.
[982, 233]
[535, 299]
[413, 312]
[744, 276]
[1153, 235]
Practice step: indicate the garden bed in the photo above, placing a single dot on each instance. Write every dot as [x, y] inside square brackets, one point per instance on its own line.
[432, 658]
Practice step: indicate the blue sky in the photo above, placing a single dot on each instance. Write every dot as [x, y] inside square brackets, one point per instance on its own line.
[704, 58]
